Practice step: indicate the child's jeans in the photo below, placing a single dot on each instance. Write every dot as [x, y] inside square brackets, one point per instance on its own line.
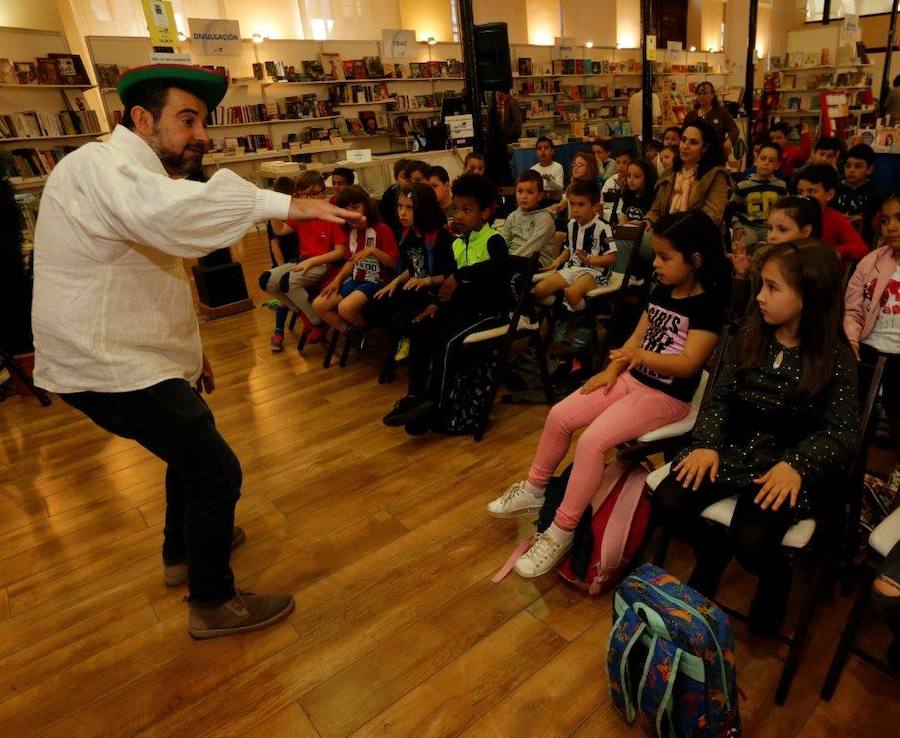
[290, 288]
[626, 412]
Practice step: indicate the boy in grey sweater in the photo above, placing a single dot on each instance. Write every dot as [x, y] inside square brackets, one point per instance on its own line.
[530, 228]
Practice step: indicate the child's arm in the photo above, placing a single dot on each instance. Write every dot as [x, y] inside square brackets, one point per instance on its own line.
[558, 261]
[280, 227]
[854, 309]
[542, 234]
[849, 243]
[333, 286]
[597, 262]
[607, 378]
[385, 259]
[392, 286]
[275, 244]
[697, 349]
[336, 254]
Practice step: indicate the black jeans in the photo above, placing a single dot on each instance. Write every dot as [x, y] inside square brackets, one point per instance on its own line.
[203, 479]
[754, 537]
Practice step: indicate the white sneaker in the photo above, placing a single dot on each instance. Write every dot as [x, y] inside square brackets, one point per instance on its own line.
[517, 500]
[545, 553]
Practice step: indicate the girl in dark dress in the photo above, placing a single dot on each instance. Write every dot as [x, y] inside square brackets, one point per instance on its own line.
[781, 420]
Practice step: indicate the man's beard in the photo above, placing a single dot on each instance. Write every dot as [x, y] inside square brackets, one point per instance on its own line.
[178, 164]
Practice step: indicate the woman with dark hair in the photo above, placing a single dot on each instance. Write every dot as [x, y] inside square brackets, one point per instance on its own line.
[698, 179]
[713, 112]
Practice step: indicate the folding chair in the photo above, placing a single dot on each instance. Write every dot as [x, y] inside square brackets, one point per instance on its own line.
[503, 336]
[9, 361]
[806, 536]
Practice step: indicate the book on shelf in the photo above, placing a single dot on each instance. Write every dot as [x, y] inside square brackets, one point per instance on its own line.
[26, 72]
[71, 69]
[107, 74]
[34, 124]
[415, 70]
[381, 121]
[259, 71]
[355, 69]
[861, 52]
[354, 126]
[455, 68]
[524, 66]
[313, 70]
[793, 103]
[789, 82]
[374, 67]
[27, 163]
[47, 71]
[332, 65]
[7, 72]
[369, 121]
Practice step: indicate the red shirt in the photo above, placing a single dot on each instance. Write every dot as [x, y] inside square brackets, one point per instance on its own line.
[794, 157]
[317, 237]
[840, 233]
[370, 269]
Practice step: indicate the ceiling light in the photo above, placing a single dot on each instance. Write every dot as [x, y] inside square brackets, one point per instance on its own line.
[589, 45]
[257, 38]
[693, 48]
[431, 40]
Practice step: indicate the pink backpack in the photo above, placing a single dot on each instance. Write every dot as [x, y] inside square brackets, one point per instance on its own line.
[610, 532]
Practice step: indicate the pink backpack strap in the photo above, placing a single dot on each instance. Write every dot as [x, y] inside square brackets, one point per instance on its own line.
[612, 547]
[513, 558]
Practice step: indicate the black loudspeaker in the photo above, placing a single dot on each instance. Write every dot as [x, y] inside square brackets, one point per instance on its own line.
[492, 61]
[220, 285]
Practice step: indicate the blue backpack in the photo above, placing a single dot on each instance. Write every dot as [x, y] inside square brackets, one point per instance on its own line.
[671, 658]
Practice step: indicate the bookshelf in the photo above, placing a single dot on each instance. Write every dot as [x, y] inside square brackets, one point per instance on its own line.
[267, 115]
[41, 121]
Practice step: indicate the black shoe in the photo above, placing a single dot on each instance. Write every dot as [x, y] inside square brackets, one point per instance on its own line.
[418, 427]
[769, 607]
[407, 410]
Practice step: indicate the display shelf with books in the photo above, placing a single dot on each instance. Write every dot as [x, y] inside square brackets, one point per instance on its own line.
[44, 113]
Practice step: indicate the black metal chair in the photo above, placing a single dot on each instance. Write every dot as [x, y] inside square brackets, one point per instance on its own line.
[808, 536]
[9, 361]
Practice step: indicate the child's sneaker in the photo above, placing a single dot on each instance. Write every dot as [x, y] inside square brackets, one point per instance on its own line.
[402, 349]
[581, 336]
[314, 334]
[517, 500]
[559, 331]
[545, 553]
[276, 342]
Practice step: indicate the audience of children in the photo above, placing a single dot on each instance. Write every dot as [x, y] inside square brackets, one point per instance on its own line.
[754, 196]
[371, 257]
[636, 199]
[649, 383]
[551, 171]
[588, 255]
[792, 157]
[819, 181]
[606, 165]
[857, 196]
[781, 419]
[530, 228]
[439, 180]
[474, 297]
[698, 177]
[322, 245]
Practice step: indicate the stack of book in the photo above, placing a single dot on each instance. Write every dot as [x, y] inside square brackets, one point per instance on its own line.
[35, 162]
[32, 124]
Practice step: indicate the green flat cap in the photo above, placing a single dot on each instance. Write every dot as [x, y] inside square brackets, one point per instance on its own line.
[206, 84]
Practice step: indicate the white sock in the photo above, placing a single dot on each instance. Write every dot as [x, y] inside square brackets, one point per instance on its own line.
[577, 307]
[559, 534]
[533, 489]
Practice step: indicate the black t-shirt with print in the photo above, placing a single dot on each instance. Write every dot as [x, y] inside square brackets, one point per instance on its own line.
[669, 320]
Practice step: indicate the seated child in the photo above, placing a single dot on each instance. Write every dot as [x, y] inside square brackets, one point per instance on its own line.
[341, 177]
[606, 165]
[792, 157]
[651, 152]
[672, 136]
[551, 171]
[754, 196]
[371, 254]
[758, 140]
[387, 208]
[819, 181]
[530, 227]
[283, 247]
[322, 245]
[615, 186]
[588, 255]
[781, 421]
[667, 158]
[648, 384]
[827, 150]
[857, 196]
[439, 181]
[637, 197]
[474, 297]
[426, 259]
[416, 171]
[474, 163]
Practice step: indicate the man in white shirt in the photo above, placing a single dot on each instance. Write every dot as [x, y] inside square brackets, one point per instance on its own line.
[636, 113]
[115, 331]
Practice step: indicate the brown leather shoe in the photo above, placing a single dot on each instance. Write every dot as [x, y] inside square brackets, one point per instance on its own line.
[243, 613]
[177, 574]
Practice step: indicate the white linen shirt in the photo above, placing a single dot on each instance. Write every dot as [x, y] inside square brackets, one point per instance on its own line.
[112, 308]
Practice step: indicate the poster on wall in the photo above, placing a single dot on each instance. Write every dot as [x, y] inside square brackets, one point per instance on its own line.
[565, 47]
[160, 22]
[651, 47]
[213, 37]
[397, 43]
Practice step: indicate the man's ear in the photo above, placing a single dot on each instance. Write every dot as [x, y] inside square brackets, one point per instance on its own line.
[143, 121]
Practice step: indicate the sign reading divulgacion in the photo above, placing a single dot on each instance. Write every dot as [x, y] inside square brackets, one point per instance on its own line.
[215, 37]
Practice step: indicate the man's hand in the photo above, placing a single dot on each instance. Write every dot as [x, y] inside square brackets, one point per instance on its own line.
[448, 288]
[309, 209]
[780, 483]
[425, 314]
[692, 469]
[207, 382]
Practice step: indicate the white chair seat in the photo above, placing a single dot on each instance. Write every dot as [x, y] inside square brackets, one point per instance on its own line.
[686, 424]
[614, 285]
[886, 535]
[797, 536]
[657, 475]
[525, 325]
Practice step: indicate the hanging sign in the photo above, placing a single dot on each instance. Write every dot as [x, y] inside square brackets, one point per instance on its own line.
[359, 156]
[565, 47]
[215, 37]
[160, 22]
[461, 126]
[397, 43]
[651, 48]
[850, 31]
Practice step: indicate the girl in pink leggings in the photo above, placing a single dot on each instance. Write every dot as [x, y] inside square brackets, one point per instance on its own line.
[663, 358]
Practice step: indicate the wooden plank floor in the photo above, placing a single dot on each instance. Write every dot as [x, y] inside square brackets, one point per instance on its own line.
[383, 539]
